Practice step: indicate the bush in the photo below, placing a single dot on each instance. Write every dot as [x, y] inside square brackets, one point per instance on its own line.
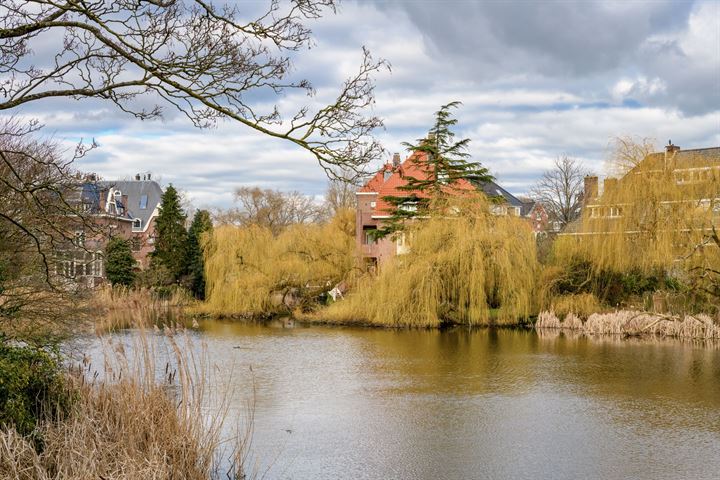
[580, 277]
[32, 384]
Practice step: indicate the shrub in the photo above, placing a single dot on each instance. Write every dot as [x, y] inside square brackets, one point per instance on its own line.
[32, 384]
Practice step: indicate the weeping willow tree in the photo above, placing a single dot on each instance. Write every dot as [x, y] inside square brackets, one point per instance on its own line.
[250, 271]
[661, 218]
[464, 266]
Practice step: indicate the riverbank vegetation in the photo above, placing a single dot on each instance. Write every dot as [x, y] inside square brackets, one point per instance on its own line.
[650, 241]
[252, 272]
[130, 419]
[464, 266]
[116, 308]
[635, 324]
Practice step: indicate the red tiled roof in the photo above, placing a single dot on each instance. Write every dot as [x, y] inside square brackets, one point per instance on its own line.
[376, 181]
[414, 166]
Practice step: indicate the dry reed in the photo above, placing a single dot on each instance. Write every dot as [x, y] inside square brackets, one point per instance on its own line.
[634, 323]
[115, 308]
[133, 420]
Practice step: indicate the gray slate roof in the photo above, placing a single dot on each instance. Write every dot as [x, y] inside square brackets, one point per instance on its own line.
[135, 190]
[492, 189]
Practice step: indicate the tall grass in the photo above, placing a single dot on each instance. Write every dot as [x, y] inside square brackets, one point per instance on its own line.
[465, 266]
[115, 308]
[135, 419]
[635, 323]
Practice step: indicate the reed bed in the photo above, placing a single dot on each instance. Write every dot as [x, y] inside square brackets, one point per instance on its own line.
[115, 308]
[134, 419]
[635, 323]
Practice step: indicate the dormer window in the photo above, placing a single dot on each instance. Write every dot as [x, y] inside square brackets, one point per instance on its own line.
[137, 225]
[118, 194]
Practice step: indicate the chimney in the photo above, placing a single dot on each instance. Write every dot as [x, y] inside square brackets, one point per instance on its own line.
[670, 151]
[609, 185]
[148, 176]
[670, 148]
[591, 189]
[396, 160]
[137, 177]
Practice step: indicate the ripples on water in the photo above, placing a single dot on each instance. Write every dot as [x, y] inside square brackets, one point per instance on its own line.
[370, 403]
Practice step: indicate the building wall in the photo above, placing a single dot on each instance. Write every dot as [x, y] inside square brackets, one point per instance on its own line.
[538, 219]
[375, 252]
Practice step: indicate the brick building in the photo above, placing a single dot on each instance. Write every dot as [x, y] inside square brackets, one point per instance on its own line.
[125, 208]
[373, 209]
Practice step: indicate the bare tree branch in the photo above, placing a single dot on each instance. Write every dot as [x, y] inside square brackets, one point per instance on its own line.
[560, 190]
[195, 56]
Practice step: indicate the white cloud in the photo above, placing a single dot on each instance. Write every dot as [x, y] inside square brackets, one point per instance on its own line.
[533, 87]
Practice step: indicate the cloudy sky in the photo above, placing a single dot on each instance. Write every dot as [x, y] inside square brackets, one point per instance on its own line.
[536, 79]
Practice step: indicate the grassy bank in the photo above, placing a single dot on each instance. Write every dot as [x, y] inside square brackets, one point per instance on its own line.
[127, 421]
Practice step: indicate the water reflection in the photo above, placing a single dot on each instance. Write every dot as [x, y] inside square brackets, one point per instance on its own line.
[369, 403]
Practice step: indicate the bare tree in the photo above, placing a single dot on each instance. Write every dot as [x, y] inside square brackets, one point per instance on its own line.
[200, 58]
[273, 209]
[40, 212]
[341, 190]
[626, 152]
[560, 190]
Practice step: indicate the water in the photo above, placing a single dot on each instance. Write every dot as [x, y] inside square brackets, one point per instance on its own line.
[383, 404]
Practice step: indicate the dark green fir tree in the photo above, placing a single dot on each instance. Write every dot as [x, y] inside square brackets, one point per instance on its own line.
[201, 226]
[170, 252]
[119, 262]
[442, 163]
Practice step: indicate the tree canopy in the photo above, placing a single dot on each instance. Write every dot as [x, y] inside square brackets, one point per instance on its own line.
[208, 60]
[200, 227]
[560, 190]
[171, 236]
[119, 262]
[443, 167]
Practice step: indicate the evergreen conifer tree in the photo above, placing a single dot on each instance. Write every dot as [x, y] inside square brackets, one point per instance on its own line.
[119, 262]
[195, 263]
[444, 162]
[171, 236]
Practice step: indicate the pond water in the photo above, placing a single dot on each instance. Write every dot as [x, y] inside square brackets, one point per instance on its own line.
[337, 403]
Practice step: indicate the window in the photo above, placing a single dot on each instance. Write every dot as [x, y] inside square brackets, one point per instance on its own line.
[497, 210]
[409, 206]
[615, 212]
[79, 238]
[118, 194]
[137, 225]
[97, 265]
[368, 237]
[143, 202]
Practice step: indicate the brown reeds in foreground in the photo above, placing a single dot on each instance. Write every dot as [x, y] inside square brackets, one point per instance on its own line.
[634, 323]
[135, 421]
[117, 307]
